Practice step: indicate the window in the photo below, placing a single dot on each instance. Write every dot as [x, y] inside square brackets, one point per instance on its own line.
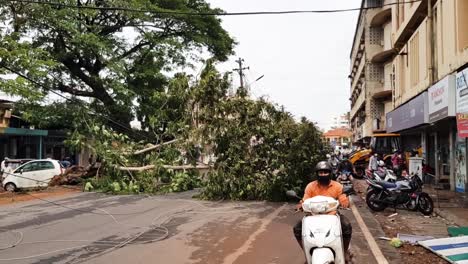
[45, 165]
[414, 59]
[32, 166]
[462, 21]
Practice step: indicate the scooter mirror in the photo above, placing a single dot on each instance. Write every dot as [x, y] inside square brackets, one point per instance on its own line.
[291, 194]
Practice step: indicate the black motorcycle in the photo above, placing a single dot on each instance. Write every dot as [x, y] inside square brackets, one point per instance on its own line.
[406, 193]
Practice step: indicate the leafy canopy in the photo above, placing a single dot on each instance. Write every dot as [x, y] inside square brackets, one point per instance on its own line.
[113, 57]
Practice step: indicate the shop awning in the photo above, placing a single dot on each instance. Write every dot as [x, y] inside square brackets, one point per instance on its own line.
[22, 131]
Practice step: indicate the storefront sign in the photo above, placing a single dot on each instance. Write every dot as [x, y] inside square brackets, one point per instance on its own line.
[462, 92]
[460, 166]
[441, 99]
[462, 125]
[408, 115]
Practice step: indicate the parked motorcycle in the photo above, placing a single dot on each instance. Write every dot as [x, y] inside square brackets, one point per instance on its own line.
[321, 232]
[407, 193]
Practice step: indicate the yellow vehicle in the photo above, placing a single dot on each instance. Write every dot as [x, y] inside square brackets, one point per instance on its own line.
[383, 144]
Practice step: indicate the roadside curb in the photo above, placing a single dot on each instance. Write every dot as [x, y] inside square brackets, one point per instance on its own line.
[390, 253]
[450, 217]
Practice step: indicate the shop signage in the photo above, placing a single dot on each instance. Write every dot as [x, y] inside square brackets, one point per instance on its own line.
[462, 91]
[408, 115]
[441, 99]
[462, 125]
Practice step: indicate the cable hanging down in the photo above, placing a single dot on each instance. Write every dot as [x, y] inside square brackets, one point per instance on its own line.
[170, 12]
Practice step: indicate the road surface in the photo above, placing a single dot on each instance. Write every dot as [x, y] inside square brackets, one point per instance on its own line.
[98, 228]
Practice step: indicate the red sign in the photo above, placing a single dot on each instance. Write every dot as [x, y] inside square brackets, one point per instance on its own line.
[462, 125]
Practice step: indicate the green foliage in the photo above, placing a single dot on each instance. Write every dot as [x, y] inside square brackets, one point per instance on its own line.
[183, 181]
[261, 150]
[88, 53]
[88, 187]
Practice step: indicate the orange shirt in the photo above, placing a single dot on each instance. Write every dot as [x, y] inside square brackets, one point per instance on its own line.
[334, 190]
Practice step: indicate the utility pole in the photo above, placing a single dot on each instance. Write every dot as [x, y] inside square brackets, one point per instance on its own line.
[240, 70]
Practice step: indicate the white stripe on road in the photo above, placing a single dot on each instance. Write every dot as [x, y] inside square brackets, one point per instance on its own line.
[379, 257]
[231, 258]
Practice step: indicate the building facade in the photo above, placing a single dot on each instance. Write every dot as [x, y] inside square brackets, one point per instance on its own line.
[426, 68]
[371, 70]
[341, 121]
[338, 137]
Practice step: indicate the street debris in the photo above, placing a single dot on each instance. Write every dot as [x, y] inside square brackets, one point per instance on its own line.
[457, 231]
[71, 176]
[452, 249]
[396, 242]
[392, 215]
[413, 239]
[384, 238]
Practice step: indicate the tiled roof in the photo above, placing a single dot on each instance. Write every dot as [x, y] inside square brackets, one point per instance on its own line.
[338, 132]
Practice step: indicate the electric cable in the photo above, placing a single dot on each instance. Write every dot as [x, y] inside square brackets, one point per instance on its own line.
[178, 13]
[115, 245]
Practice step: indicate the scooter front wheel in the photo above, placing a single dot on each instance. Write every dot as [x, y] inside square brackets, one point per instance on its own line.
[323, 255]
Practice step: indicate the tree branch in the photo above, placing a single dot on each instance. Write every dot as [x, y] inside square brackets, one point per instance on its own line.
[170, 167]
[70, 90]
[133, 50]
[155, 147]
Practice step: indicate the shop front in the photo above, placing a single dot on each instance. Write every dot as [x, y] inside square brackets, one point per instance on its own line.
[441, 134]
[461, 182]
[409, 120]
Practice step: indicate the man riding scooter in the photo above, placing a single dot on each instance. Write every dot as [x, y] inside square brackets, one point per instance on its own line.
[324, 186]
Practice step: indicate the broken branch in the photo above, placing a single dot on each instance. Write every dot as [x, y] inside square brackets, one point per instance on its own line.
[154, 147]
[172, 167]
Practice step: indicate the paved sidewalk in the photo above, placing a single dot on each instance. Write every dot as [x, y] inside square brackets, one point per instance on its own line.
[450, 205]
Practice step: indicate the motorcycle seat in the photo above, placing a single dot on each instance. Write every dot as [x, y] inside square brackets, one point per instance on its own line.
[387, 185]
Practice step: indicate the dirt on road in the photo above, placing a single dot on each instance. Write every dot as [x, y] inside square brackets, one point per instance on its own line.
[15, 197]
[408, 222]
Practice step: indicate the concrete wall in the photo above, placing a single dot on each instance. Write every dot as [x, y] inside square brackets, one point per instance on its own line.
[451, 48]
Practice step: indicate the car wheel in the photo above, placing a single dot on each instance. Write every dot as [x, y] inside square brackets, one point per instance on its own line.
[10, 187]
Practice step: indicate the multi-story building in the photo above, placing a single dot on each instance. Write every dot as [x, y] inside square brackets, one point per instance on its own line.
[431, 40]
[371, 69]
[422, 67]
[341, 121]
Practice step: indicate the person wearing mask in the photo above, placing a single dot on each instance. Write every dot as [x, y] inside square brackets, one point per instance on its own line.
[324, 186]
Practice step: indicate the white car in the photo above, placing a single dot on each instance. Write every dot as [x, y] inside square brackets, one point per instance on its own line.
[36, 173]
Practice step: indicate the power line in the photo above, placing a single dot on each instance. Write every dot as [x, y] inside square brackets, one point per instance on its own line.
[170, 12]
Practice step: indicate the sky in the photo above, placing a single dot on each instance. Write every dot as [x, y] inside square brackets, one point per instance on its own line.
[304, 57]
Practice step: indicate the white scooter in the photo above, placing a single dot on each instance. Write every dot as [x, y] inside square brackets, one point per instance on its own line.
[321, 232]
[384, 174]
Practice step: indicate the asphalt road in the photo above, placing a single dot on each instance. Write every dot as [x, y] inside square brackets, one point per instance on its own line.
[97, 228]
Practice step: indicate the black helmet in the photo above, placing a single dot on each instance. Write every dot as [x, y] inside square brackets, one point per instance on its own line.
[323, 166]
